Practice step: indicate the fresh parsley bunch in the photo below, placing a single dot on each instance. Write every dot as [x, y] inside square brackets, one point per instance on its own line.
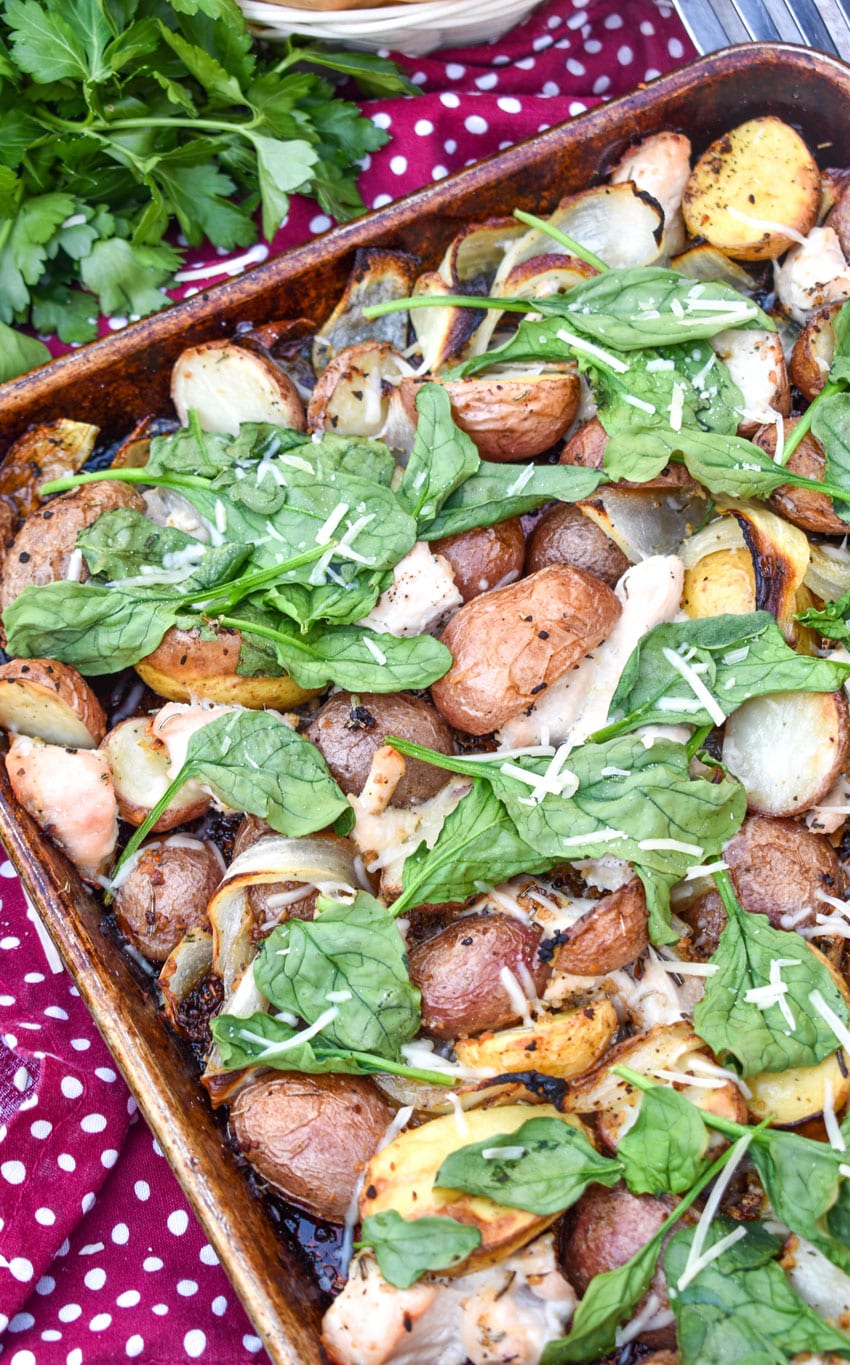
[125, 118]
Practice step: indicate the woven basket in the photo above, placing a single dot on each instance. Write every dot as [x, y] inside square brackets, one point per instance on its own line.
[410, 26]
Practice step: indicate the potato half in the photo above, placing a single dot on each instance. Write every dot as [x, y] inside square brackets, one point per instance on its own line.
[184, 667]
[509, 418]
[402, 1176]
[788, 749]
[510, 645]
[228, 384]
[140, 774]
[50, 701]
[563, 1045]
[754, 192]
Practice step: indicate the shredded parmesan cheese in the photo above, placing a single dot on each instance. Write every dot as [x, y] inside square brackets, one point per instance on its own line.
[677, 407]
[579, 344]
[827, 1013]
[697, 1260]
[377, 654]
[830, 1119]
[766, 225]
[599, 836]
[697, 686]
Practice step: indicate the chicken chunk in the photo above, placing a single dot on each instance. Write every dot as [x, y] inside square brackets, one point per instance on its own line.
[505, 1314]
[69, 793]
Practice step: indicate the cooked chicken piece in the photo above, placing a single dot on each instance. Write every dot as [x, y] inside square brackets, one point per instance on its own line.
[504, 1315]
[576, 705]
[69, 793]
[813, 274]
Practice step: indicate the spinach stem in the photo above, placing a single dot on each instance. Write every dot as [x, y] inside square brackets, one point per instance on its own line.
[378, 310]
[400, 1069]
[238, 588]
[150, 820]
[697, 740]
[804, 423]
[575, 248]
[142, 476]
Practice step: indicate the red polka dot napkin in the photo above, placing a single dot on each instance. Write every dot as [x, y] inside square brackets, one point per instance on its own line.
[100, 1258]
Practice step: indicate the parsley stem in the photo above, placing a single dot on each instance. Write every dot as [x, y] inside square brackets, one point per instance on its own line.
[575, 248]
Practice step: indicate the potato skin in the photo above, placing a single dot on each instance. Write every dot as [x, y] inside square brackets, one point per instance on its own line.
[508, 419]
[457, 972]
[42, 549]
[166, 893]
[508, 645]
[778, 867]
[815, 344]
[485, 558]
[49, 681]
[310, 1136]
[348, 732]
[804, 507]
[608, 937]
[184, 667]
[603, 1231]
[250, 830]
[564, 535]
[586, 447]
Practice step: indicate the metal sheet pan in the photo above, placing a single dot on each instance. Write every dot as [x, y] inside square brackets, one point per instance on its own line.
[118, 380]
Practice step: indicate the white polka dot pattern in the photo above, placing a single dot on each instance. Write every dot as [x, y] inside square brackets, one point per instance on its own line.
[101, 1260]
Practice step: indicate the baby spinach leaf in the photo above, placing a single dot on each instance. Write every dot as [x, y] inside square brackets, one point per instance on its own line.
[831, 426]
[735, 467]
[443, 457]
[741, 1306]
[262, 1040]
[762, 1038]
[351, 657]
[641, 394]
[613, 1296]
[609, 1299]
[352, 956]
[664, 1150]
[123, 543]
[547, 1166]
[646, 306]
[832, 620]
[803, 1182]
[96, 629]
[736, 657]
[405, 1248]
[499, 491]
[253, 762]
[630, 309]
[836, 383]
[477, 844]
[641, 805]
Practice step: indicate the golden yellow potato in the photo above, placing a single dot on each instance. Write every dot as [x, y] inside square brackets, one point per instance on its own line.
[185, 667]
[721, 582]
[401, 1177]
[748, 186]
[563, 1045]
